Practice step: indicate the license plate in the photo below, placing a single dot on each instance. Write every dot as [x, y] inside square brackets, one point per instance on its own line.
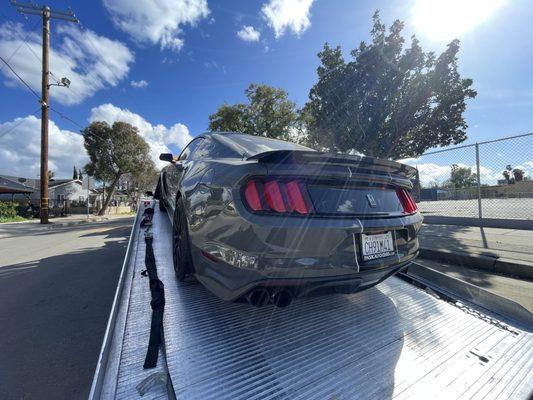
[377, 246]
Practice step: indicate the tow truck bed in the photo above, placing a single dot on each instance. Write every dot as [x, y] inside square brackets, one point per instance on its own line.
[392, 341]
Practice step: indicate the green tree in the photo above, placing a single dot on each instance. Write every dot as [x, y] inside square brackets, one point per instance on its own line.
[268, 113]
[231, 118]
[75, 173]
[518, 174]
[114, 151]
[142, 182]
[388, 101]
[507, 173]
[80, 175]
[461, 177]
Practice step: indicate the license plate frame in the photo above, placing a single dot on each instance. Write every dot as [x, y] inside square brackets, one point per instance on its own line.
[376, 246]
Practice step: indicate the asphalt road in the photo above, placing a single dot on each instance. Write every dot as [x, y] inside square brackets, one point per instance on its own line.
[56, 289]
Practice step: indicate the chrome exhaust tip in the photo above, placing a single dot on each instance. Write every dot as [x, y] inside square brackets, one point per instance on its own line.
[282, 298]
[258, 297]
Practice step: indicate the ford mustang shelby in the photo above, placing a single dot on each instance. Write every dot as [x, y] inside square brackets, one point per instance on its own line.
[267, 220]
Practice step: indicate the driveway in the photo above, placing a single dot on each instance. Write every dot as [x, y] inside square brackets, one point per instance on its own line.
[56, 289]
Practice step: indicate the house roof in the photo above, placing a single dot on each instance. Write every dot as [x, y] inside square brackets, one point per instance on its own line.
[28, 185]
[9, 186]
[58, 182]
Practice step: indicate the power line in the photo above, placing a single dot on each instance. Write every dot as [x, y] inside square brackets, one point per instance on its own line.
[24, 40]
[20, 78]
[18, 124]
[64, 116]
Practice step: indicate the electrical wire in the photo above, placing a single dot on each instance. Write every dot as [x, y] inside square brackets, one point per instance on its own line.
[20, 78]
[25, 39]
[18, 124]
[66, 117]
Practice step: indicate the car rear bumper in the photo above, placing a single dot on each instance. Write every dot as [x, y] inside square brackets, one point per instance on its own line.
[296, 253]
[229, 283]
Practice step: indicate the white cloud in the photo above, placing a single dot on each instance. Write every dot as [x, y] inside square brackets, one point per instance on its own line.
[20, 149]
[90, 61]
[434, 173]
[249, 34]
[139, 84]
[159, 137]
[527, 167]
[156, 22]
[282, 15]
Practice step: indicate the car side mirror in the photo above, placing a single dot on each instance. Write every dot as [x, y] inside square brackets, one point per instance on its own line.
[168, 157]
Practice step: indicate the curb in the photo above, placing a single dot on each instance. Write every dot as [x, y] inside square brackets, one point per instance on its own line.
[78, 222]
[504, 266]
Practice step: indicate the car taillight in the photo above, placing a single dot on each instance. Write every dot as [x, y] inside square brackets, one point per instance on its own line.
[278, 196]
[407, 200]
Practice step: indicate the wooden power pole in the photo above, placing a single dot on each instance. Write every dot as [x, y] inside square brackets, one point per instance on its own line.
[46, 14]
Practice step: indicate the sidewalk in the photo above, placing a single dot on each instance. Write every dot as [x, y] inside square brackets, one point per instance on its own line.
[72, 220]
[504, 251]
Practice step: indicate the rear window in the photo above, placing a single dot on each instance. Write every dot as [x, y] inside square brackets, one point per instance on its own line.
[258, 144]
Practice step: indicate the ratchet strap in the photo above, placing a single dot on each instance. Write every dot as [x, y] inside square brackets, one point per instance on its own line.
[157, 290]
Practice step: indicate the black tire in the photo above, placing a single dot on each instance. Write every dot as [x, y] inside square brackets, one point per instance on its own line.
[159, 195]
[181, 250]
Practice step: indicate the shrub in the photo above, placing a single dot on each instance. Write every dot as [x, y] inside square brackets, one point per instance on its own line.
[24, 210]
[8, 209]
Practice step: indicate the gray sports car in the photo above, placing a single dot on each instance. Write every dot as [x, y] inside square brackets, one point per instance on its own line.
[267, 220]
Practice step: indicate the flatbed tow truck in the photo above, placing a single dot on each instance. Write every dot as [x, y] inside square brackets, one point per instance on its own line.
[416, 335]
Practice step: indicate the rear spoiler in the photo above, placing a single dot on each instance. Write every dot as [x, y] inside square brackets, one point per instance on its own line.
[358, 163]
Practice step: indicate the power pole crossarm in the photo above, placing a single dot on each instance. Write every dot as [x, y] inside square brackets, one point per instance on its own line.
[47, 14]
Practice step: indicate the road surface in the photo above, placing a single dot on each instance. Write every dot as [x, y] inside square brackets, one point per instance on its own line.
[56, 289]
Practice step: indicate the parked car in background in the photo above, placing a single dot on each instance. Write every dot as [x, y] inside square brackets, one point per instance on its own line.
[268, 220]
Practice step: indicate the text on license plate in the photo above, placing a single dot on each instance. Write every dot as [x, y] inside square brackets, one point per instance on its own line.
[377, 246]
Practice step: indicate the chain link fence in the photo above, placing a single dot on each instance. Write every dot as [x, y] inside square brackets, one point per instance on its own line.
[491, 180]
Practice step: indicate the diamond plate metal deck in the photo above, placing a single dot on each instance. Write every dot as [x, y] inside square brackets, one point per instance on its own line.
[120, 369]
[392, 341]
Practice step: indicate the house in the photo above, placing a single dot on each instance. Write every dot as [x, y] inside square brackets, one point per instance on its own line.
[10, 188]
[61, 192]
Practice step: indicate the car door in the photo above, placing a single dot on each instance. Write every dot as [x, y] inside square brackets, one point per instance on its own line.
[180, 168]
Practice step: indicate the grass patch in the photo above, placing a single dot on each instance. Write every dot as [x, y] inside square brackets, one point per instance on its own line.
[16, 218]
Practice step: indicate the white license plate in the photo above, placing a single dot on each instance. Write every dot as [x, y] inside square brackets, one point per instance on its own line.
[377, 246]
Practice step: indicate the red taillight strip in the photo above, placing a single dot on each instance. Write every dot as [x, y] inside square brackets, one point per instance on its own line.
[273, 196]
[278, 196]
[295, 197]
[252, 196]
[407, 200]
[412, 200]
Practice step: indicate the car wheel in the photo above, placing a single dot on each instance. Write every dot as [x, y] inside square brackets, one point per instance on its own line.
[160, 196]
[181, 252]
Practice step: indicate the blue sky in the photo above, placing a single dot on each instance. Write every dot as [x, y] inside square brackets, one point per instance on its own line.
[188, 59]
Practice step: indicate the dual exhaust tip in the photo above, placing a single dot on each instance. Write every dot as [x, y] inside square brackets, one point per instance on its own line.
[260, 297]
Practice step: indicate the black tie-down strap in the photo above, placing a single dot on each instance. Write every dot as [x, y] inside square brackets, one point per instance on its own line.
[157, 290]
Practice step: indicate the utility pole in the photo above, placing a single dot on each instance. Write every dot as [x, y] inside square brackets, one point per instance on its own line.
[88, 193]
[47, 14]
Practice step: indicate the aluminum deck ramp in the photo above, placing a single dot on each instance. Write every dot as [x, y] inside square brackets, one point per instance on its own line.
[391, 341]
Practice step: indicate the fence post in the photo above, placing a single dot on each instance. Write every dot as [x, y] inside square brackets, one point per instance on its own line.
[478, 186]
